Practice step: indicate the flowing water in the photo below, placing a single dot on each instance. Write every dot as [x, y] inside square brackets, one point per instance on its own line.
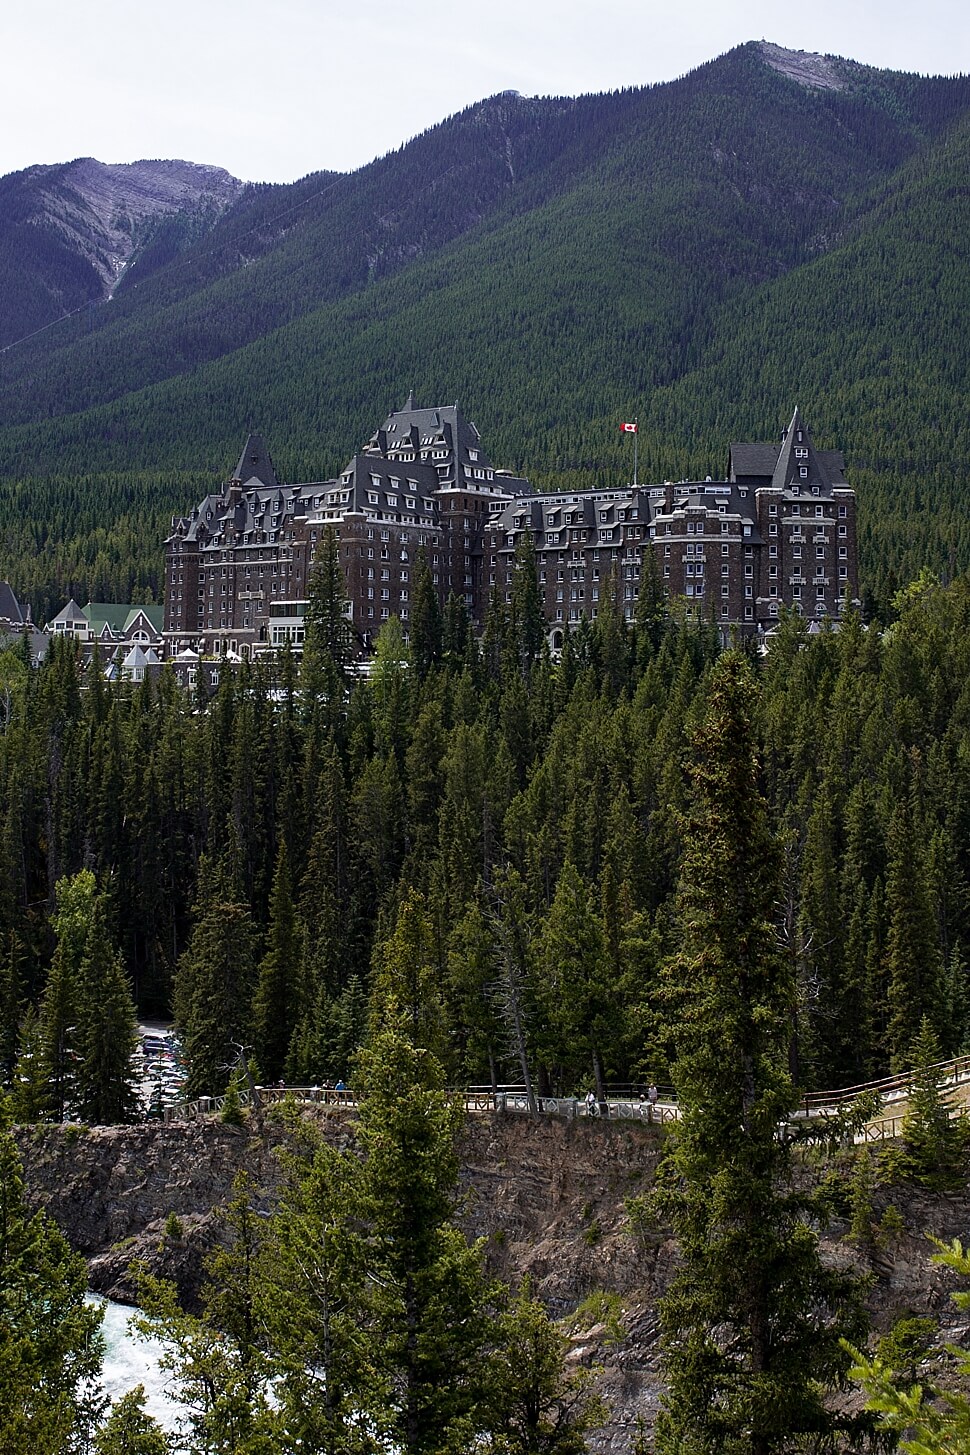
[129, 1361]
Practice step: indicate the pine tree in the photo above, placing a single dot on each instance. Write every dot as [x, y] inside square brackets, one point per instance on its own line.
[11, 1006]
[218, 1359]
[59, 1004]
[574, 972]
[921, 1419]
[276, 1003]
[913, 962]
[107, 1031]
[130, 1430]
[214, 986]
[934, 1145]
[428, 1298]
[50, 1345]
[407, 987]
[28, 1093]
[328, 647]
[528, 623]
[331, 1395]
[652, 609]
[542, 1409]
[752, 1321]
[426, 631]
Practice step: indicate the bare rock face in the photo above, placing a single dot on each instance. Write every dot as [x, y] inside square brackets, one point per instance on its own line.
[105, 212]
[815, 72]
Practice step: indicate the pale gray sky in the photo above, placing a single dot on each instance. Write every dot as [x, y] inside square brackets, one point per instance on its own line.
[273, 89]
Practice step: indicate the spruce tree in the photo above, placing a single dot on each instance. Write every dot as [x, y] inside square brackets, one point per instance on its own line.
[107, 1031]
[11, 1004]
[934, 1144]
[527, 618]
[329, 645]
[50, 1345]
[276, 1004]
[59, 1003]
[752, 1321]
[913, 962]
[130, 1430]
[214, 986]
[426, 630]
[428, 1298]
[407, 988]
[576, 983]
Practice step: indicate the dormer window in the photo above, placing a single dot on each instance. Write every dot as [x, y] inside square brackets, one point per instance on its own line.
[803, 472]
[801, 454]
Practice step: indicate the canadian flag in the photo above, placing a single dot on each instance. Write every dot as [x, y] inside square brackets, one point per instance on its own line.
[628, 428]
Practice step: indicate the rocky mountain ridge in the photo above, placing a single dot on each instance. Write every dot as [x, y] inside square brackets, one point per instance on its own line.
[76, 226]
[105, 208]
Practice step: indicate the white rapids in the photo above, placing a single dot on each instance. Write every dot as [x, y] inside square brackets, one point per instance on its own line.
[129, 1361]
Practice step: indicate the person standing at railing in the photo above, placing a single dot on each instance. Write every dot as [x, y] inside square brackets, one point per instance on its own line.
[652, 1096]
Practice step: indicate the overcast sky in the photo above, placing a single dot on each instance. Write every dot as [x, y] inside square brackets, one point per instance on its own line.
[273, 89]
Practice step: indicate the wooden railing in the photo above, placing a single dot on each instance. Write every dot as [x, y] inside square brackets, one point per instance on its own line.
[621, 1104]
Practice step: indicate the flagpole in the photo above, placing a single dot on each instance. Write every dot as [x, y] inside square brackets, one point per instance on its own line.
[636, 442]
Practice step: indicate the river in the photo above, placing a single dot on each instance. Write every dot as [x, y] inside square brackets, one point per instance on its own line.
[129, 1361]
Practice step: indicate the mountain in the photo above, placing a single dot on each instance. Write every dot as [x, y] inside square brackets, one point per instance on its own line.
[69, 232]
[773, 228]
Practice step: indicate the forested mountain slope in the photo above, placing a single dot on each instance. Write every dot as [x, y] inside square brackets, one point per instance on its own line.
[703, 254]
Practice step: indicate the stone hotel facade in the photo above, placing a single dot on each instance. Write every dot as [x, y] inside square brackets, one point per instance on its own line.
[779, 530]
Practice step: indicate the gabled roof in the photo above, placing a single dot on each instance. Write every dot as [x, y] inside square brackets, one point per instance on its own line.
[154, 615]
[255, 463]
[106, 613]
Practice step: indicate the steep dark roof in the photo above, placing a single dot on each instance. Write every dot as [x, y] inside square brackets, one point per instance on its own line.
[779, 464]
[10, 608]
[787, 467]
[757, 459]
[255, 463]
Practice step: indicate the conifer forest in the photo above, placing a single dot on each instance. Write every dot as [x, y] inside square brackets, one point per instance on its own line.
[262, 863]
[737, 872]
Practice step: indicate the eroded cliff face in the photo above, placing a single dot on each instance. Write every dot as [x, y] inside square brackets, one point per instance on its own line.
[549, 1197]
[104, 212]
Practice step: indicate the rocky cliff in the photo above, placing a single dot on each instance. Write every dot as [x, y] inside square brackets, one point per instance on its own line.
[550, 1198]
[68, 232]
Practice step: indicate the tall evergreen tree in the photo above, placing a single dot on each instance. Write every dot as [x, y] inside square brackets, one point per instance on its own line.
[276, 1003]
[576, 984]
[107, 1032]
[428, 1298]
[752, 1321]
[913, 963]
[214, 986]
[528, 622]
[50, 1345]
[328, 647]
[426, 632]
